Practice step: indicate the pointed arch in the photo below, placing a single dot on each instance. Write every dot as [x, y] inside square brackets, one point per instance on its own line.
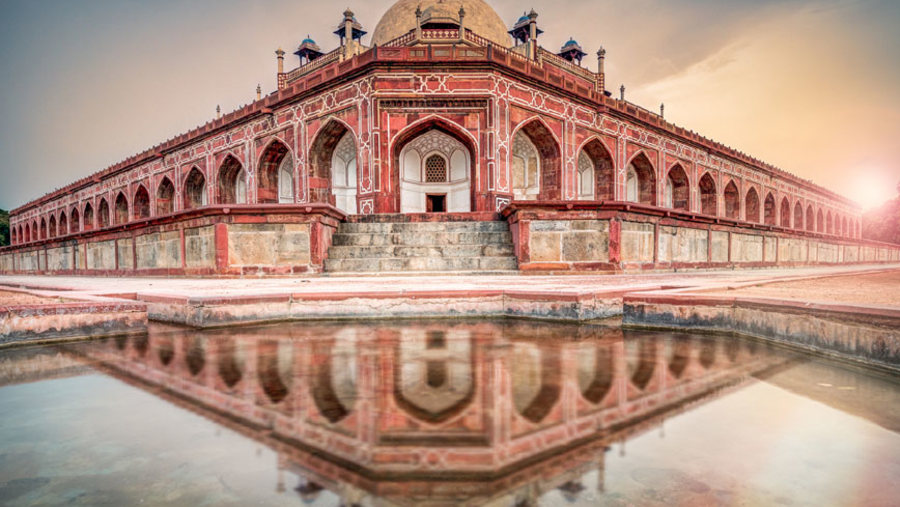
[603, 169]
[549, 162]
[27, 233]
[165, 197]
[74, 221]
[751, 206]
[769, 212]
[328, 171]
[14, 236]
[844, 231]
[275, 177]
[43, 230]
[63, 224]
[640, 180]
[121, 216]
[785, 213]
[732, 199]
[232, 178]
[829, 223]
[88, 217]
[708, 196]
[409, 153]
[52, 231]
[798, 216]
[141, 203]
[820, 221]
[195, 193]
[678, 189]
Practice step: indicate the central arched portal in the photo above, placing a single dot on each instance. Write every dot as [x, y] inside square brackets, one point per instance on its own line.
[333, 167]
[435, 174]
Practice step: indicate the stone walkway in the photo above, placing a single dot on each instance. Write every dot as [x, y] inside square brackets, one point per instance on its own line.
[323, 285]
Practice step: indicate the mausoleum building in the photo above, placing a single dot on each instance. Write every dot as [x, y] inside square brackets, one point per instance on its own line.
[448, 139]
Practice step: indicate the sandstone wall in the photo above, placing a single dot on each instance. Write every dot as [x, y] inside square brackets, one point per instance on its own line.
[570, 241]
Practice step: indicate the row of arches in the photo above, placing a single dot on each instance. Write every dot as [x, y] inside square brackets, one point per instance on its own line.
[434, 171]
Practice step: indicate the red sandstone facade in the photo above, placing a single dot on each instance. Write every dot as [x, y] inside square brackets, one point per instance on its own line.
[479, 94]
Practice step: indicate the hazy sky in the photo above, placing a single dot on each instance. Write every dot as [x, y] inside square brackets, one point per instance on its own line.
[810, 86]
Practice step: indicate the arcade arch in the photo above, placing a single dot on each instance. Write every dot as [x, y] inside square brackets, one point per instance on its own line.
[195, 195]
[103, 213]
[165, 197]
[677, 189]
[435, 174]
[333, 167]
[640, 180]
[121, 209]
[785, 213]
[732, 199]
[535, 163]
[276, 175]
[141, 203]
[232, 178]
[751, 206]
[769, 213]
[596, 172]
[708, 204]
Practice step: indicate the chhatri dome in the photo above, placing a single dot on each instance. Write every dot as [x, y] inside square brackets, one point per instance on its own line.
[480, 18]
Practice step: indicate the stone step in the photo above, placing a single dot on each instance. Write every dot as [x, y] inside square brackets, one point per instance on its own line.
[401, 264]
[418, 227]
[421, 238]
[386, 251]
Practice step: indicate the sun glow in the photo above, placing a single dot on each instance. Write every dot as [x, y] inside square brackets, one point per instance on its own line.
[872, 187]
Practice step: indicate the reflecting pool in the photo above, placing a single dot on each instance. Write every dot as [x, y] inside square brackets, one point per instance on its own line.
[444, 412]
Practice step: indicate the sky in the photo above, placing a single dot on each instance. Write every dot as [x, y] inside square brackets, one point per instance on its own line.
[812, 87]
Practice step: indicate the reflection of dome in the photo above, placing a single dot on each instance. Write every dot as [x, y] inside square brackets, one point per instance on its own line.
[400, 18]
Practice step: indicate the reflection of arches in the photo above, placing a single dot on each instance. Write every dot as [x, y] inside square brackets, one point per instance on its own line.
[641, 360]
[434, 374]
[435, 163]
[141, 343]
[602, 184]
[535, 146]
[798, 216]
[708, 204]
[195, 194]
[275, 365]
[165, 197]
[231, 363]
[732, 347]
[232, 188]
[785, 213]
[732, 199]
[194, 355]
[275, 177]
[677, 189]
[536, 377]
[679, 355]
[640, 180]
[707, 353]
[595, 372]
[334, 376]
[751, 206]
[769, 217]
[121, 209]
[165, 351]
[323, 153]
[141, 203]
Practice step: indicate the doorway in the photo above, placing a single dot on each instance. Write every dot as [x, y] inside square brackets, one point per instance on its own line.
[435, 203]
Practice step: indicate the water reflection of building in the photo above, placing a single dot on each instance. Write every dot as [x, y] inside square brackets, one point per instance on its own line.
[449, 412]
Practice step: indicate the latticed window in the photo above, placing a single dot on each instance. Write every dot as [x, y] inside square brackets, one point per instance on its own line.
[435, 169]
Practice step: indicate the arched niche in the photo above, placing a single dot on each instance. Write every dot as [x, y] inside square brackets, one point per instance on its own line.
[708, 196]
[820, 221]
[88, 218]
[165, 197]
[232, 182]
[751, 206]
[195, 195]
[63, 227]
[333, 174]
[731, 197]
[596, 177]
[678, 190]
[769, 212]
[435, 173]
[141, 203]
[52, 230]
[810, 219]
[121, 209]
[798, 216]
[536, 163]
[103, 213]
[640, 180]
[785, 213]
[275, 181]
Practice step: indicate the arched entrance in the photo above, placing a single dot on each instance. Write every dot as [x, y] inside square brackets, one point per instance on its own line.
[195, 190]
[435, 174]
[677, 189]
[731, 197]
[333, 167]
[165, 197]
[596, 172]
[232, 188]
[751, 206]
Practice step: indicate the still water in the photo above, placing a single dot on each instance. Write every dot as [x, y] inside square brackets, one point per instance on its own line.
[445, 413]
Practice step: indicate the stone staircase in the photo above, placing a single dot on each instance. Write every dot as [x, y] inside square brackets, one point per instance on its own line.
[396, 244]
